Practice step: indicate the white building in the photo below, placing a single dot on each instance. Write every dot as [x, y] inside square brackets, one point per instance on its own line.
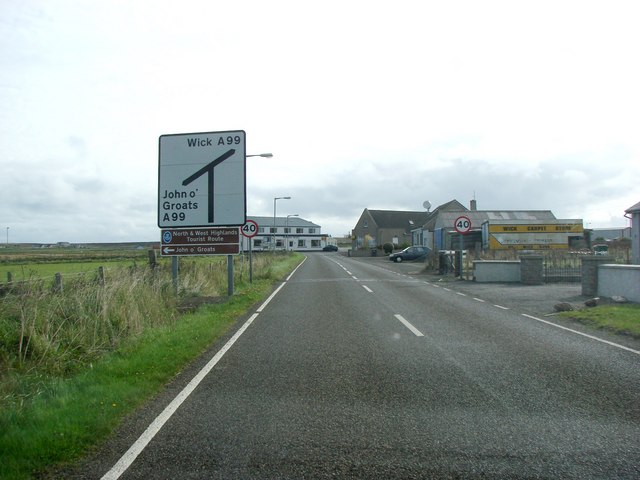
[290, 233]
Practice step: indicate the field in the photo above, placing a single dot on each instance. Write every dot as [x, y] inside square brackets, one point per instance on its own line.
[75, 360]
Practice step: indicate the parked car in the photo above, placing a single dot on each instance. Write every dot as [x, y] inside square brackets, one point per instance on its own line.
[409, 253]
[330, 248]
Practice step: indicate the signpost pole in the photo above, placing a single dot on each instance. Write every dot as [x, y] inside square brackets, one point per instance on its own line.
[249, 230]
[174, 274]
[461, 254]
[462, 225]
[230, 275]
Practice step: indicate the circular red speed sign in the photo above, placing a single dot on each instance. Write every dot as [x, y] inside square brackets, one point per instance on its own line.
[462, 224]
[249, 229]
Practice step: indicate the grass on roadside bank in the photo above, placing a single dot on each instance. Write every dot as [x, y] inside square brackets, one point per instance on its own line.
[623, 318]
[62, 417]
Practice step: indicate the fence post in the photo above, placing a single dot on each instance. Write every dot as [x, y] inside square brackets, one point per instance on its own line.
[153, 259]
[101, 276]
[57, 283]
[9, 278]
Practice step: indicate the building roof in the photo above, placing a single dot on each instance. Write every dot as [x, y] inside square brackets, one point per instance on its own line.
[633, 209]
[282, 222]
[398, 219]
[478, 217]
[611, 233]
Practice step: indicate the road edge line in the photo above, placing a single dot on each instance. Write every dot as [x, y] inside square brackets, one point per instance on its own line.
[592, 337]
[143, 440]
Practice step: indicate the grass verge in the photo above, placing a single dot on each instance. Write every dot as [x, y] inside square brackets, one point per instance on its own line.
[68, 416]
[623, 318]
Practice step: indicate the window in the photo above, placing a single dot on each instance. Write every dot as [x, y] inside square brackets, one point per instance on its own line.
[312, 230]
[365, 224]
[315, 243]
[257, 242]
[279, 243]
[273, 229]
[299, 230]
[302, 243]
[260, 229]
[287, 229]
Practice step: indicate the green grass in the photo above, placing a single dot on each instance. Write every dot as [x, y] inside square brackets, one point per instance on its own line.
[50, 419]
[29, 271]
[623, 318]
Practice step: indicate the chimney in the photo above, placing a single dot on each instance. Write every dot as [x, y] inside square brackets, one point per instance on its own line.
[474, 205]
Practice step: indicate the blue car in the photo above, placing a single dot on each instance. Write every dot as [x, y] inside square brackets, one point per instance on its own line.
[409, 253]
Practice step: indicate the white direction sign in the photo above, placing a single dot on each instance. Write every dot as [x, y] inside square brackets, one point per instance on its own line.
[201, 179]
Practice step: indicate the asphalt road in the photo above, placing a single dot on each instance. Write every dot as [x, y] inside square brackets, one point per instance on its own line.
[360, 369]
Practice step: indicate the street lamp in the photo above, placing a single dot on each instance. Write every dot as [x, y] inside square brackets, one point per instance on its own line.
[286, 231]
[265, 155]
[274, 218]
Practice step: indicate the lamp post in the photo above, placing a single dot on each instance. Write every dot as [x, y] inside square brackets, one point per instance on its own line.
[265, 155]
[286, 231]
[7, 236]
[274, 218]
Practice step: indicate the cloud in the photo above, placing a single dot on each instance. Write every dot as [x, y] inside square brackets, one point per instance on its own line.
[363, 105]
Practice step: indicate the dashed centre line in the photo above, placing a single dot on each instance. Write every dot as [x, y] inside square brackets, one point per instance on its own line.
[502, 307]
[415, 331]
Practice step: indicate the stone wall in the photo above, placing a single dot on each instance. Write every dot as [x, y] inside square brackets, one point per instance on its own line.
[619, 281]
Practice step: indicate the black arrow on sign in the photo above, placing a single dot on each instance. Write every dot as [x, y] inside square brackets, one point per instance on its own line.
[208, 169]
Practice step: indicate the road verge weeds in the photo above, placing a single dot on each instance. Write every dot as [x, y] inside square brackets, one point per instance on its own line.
[54, 413]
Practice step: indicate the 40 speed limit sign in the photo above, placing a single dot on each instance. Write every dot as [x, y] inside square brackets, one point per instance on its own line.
[249, 229]
[462, 224]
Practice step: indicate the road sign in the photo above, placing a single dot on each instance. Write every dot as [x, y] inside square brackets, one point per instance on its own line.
[201, 179]
[249, 229]
[200, 241]
[462, 224]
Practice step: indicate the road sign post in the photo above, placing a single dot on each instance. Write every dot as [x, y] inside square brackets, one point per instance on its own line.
[202, 183]
[462, 225]
[250, 230]
[202, 179]
[201, 241]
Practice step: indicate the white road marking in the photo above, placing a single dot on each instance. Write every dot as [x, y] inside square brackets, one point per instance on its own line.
[617, 345]
[500, 306]
[447, 289]
[415, 331]
[266, 302]
[140, 444]
[296, 269]
[478, 300]
[367, 289]
[461, 294]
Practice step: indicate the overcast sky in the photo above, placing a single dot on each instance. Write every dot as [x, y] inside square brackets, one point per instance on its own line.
[364, 104]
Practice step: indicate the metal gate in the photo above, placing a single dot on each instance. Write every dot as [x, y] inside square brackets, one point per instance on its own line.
[562, 268]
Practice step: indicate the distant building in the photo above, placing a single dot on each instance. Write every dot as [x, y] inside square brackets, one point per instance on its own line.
[490, 229]
[609, 234]
[288, 233]
[634, 214]
[377, 227]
